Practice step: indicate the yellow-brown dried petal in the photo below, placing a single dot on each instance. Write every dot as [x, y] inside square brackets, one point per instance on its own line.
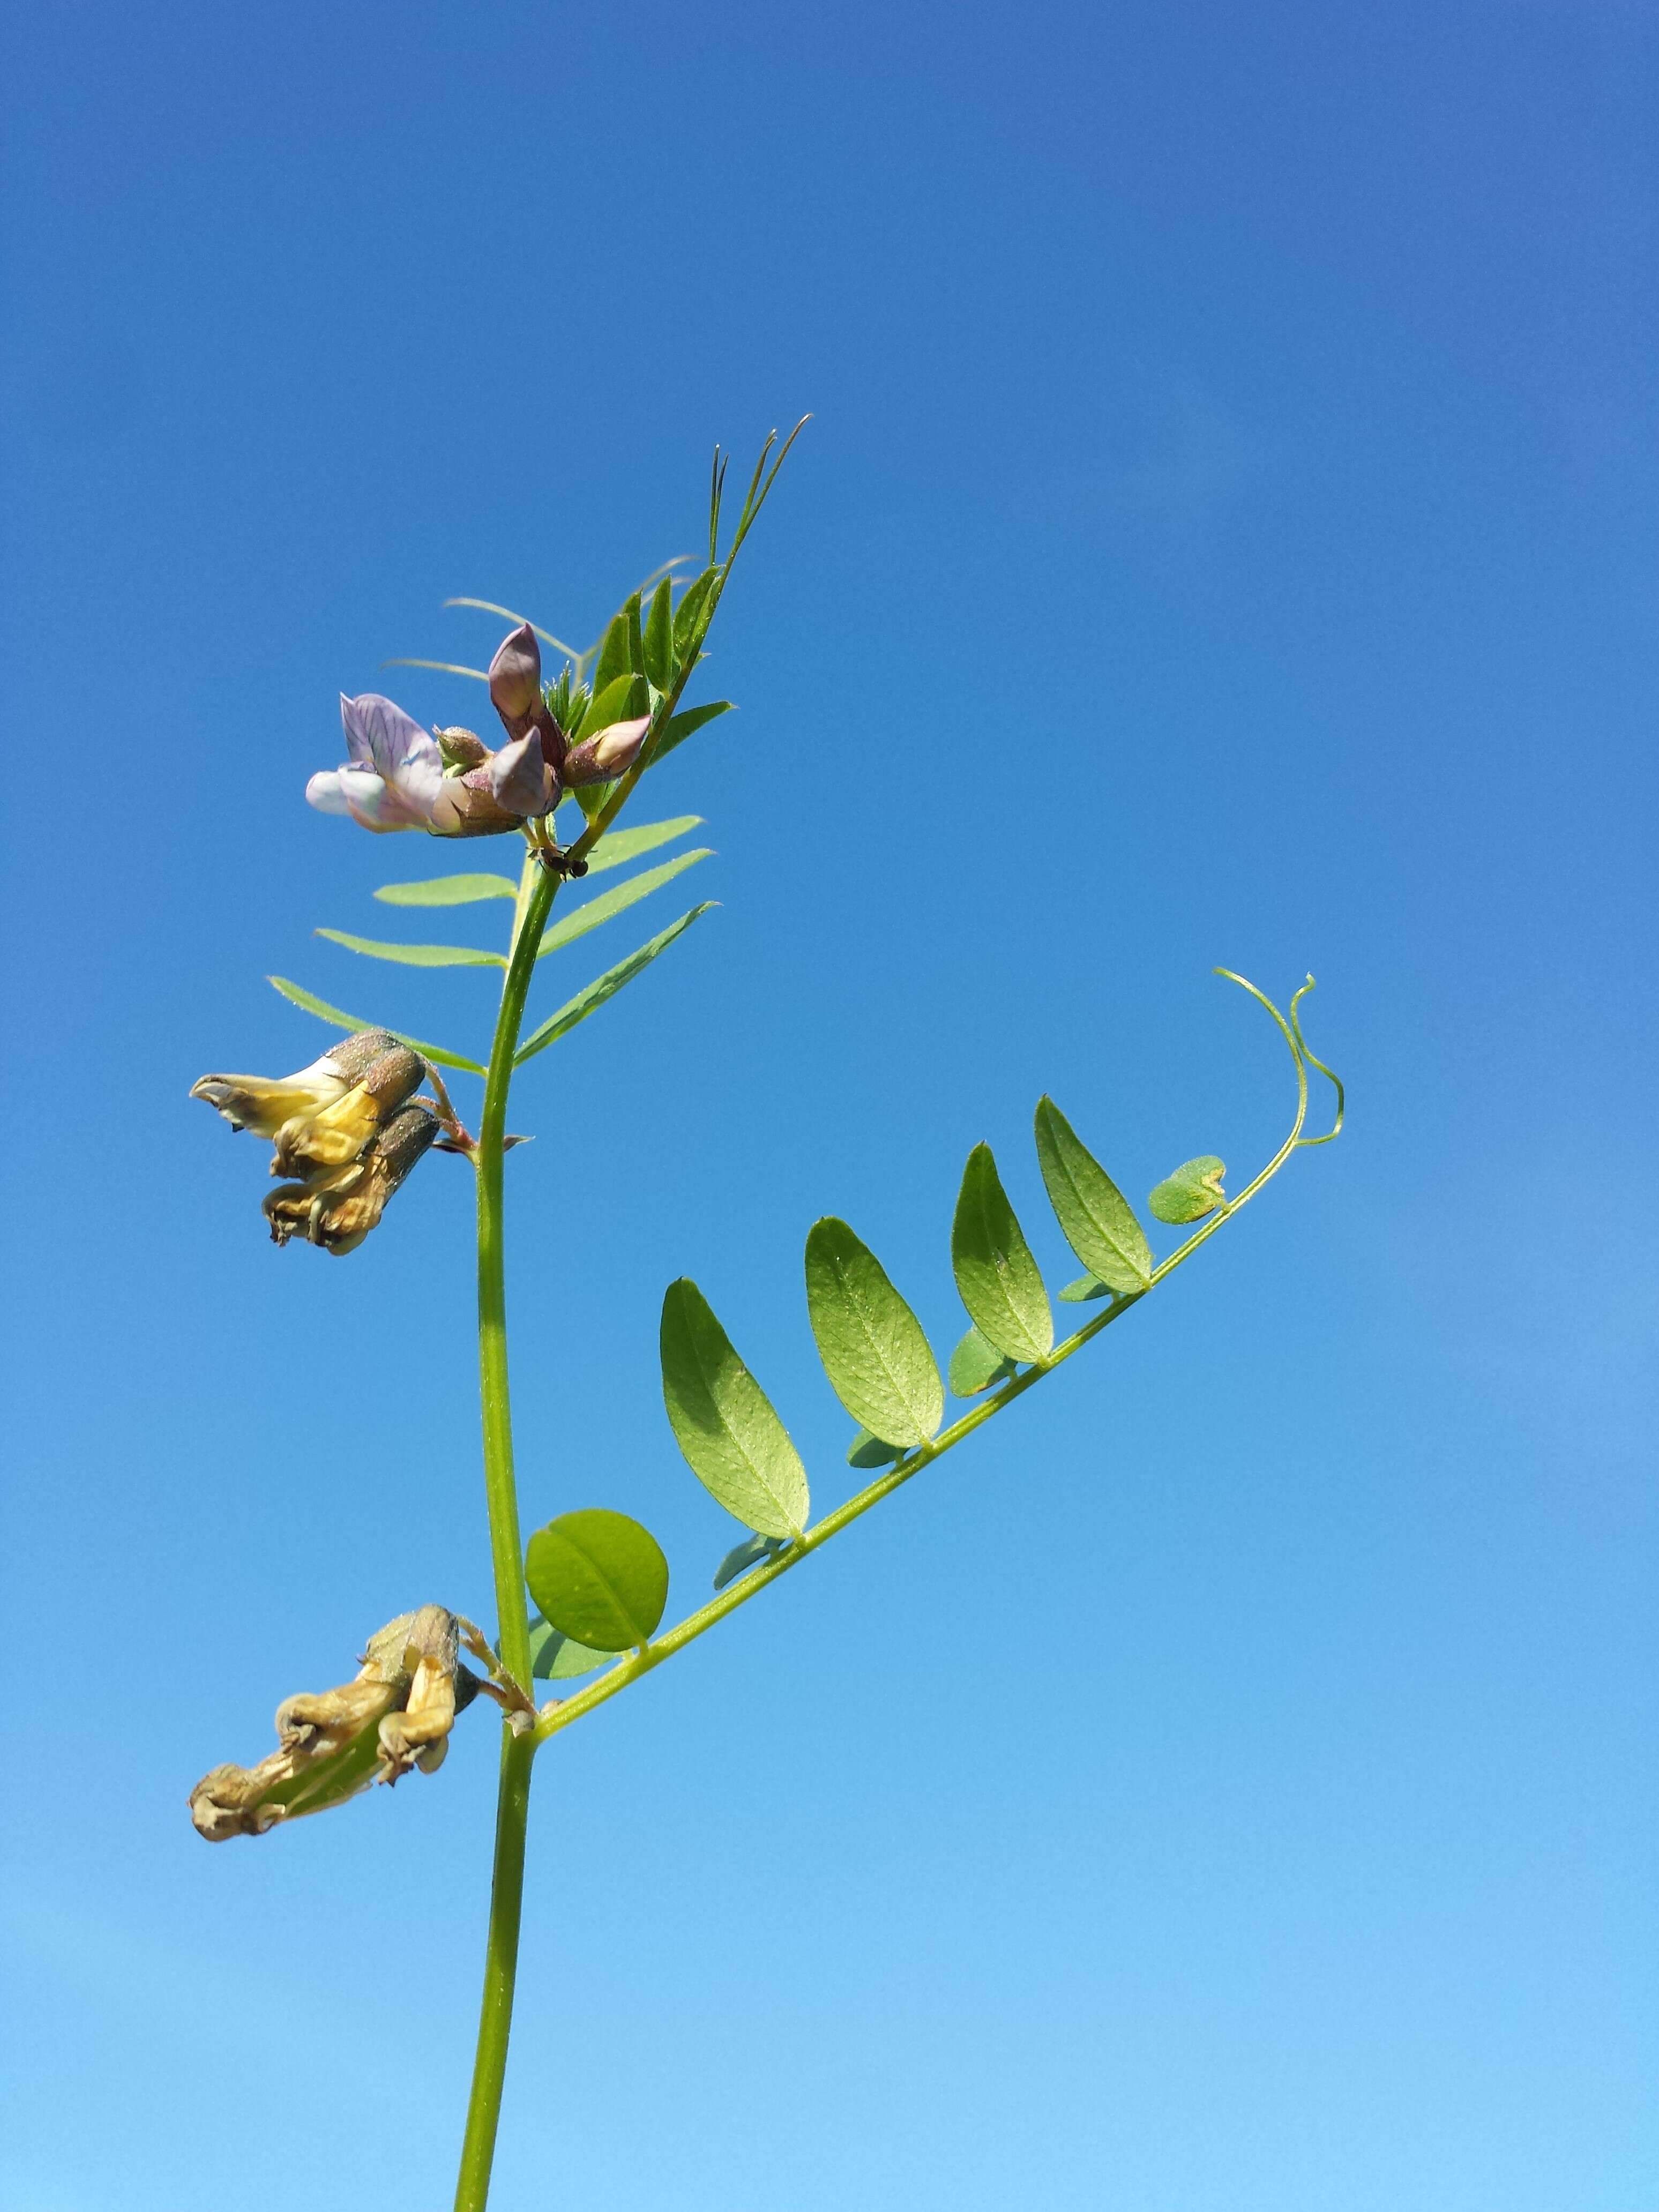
[396, 1712]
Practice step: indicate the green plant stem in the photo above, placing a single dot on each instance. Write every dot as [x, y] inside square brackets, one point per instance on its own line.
[500, 1973]
[501, 1493]
[507, 1553]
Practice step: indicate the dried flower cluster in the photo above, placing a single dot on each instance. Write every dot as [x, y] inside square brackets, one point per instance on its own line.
[395, 1713]
[346, 1131]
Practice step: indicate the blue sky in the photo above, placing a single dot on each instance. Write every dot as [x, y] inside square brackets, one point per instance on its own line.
[1226, 534]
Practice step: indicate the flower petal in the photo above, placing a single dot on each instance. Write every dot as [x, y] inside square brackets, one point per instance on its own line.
[518, 776]
[515, 676]
[380, 736]
[375, 804]
[323, 793]
[379, 733]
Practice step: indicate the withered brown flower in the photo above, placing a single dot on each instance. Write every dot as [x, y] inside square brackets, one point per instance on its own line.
[347, 1130]
[396, 1713]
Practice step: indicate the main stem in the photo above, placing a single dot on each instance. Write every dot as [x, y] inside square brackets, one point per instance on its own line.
[507, 1554]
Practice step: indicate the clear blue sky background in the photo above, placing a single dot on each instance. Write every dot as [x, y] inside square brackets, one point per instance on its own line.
[1227, 533]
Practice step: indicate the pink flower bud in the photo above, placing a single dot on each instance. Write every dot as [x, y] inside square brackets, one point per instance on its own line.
[609, 752]
[515, 679]
[519, 777]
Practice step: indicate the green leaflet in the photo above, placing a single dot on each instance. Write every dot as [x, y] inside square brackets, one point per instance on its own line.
[618, 847]
[635, 634]
[872, 1345]
[599, 1577]
[311, 1004]
[997, 1277]
[1193, 1190]
[592, 797]
[687, 616]
[416, 955]
[507, 614]
[556, 1657]
[591, 999]
[1086, 1286]
[658, 660]
[449, 891]
[1098, 1222]
[615, 658]
[867, 1451]
[596, 910]
[678, 727]
[724, 1422]
[977, 1365]
[609, 704]
[446, 667]
[749, 1553]
[567, 701]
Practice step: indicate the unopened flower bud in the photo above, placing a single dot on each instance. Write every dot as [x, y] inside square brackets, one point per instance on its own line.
[520, 778]
[461, 749]
[515, 679]
[396, 1713]
[609, 752]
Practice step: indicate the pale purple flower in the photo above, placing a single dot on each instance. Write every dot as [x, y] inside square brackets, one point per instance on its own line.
[400, 776]
[394, 777]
